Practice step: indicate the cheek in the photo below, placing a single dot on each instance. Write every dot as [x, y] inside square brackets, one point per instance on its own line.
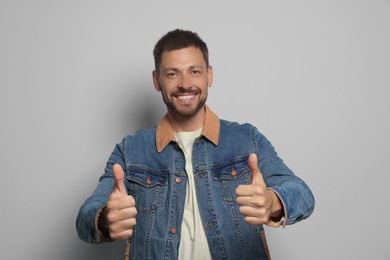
[205, 84]
[167, 90]
[168, 85]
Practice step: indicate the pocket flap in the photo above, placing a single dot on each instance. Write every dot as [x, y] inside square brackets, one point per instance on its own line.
[232, 169]
[147, 177]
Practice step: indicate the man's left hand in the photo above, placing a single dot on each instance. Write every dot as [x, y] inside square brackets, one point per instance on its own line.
[257, 203]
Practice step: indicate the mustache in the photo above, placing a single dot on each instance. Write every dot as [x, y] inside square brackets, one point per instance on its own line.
[185, 90]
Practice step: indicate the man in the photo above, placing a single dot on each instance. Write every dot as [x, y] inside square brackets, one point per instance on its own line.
[194, 186]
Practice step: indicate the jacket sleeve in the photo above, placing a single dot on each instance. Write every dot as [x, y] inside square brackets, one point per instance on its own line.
[296, 196]
[87, 218]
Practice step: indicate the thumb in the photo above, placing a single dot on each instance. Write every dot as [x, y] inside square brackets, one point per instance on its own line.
[256, 176]
[119, 185]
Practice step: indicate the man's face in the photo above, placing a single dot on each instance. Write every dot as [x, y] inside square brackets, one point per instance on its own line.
[183, 80]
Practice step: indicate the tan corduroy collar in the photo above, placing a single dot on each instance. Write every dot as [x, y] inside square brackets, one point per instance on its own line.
[165, 134]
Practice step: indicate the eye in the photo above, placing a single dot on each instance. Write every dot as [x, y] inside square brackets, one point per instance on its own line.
[196, 72]
[171, 74]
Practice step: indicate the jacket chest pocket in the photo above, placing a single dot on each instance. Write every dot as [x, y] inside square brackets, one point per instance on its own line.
[147, 186]
[229, 175]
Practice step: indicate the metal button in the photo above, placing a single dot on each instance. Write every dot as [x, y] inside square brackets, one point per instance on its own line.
[177, 180]
[148, 180]
[234, 172]
[173, 230]
[198, 141]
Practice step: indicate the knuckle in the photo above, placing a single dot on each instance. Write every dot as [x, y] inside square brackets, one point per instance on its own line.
[109, 204]
[132, 223]
[131, 200]
[259, 203]
[110, 216]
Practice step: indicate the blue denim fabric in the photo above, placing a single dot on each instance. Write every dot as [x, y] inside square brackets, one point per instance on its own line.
[151, 178]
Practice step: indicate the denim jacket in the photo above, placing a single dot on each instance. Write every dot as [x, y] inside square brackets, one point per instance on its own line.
[155, 176]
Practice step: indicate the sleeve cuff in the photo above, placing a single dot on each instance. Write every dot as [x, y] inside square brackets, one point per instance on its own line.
[275, 224]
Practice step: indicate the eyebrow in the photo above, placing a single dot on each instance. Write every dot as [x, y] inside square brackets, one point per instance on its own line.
[190, 68]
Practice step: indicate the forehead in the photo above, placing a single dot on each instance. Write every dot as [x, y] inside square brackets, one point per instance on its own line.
[189, 56]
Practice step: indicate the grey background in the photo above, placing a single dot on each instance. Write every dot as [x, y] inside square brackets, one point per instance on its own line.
[313, 76]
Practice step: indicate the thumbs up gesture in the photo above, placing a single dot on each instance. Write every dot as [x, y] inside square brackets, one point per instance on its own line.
[120, 211]
[257, 203]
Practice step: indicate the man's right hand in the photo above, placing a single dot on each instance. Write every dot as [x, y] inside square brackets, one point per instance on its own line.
[120, 211]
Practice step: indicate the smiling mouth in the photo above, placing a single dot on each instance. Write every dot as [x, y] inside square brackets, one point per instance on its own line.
[185, 97]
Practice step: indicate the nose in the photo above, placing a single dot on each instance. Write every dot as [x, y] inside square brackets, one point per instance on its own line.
[185, 82]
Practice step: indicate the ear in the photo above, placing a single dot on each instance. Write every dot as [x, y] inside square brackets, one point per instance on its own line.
[156, 82]
[210, 75]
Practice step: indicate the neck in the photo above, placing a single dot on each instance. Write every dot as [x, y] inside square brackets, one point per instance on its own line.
[187, 124]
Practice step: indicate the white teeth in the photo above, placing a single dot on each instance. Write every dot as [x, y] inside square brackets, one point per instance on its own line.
[185, 97]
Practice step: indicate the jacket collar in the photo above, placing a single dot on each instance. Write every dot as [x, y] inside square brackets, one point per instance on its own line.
[165, 134]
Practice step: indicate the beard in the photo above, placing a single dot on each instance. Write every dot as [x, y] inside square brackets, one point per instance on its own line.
[187, 110]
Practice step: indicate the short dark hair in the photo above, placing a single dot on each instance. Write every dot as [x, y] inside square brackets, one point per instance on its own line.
[179, 39]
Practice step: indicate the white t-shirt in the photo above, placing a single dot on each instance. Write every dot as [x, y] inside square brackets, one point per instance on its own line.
[193, 241]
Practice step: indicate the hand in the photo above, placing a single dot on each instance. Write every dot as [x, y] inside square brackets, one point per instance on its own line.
[257, 203]
[120, 211]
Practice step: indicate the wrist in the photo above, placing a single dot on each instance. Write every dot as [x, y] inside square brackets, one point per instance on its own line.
[102, 225]
[277, 210]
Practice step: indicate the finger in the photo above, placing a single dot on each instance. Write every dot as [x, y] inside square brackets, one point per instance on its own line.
[244, 190]
[250, 201]
[116, 227]
[254, 216]
[119, 185]
[121, 202]
[255, 221]
[125, 234]
[256, 176]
